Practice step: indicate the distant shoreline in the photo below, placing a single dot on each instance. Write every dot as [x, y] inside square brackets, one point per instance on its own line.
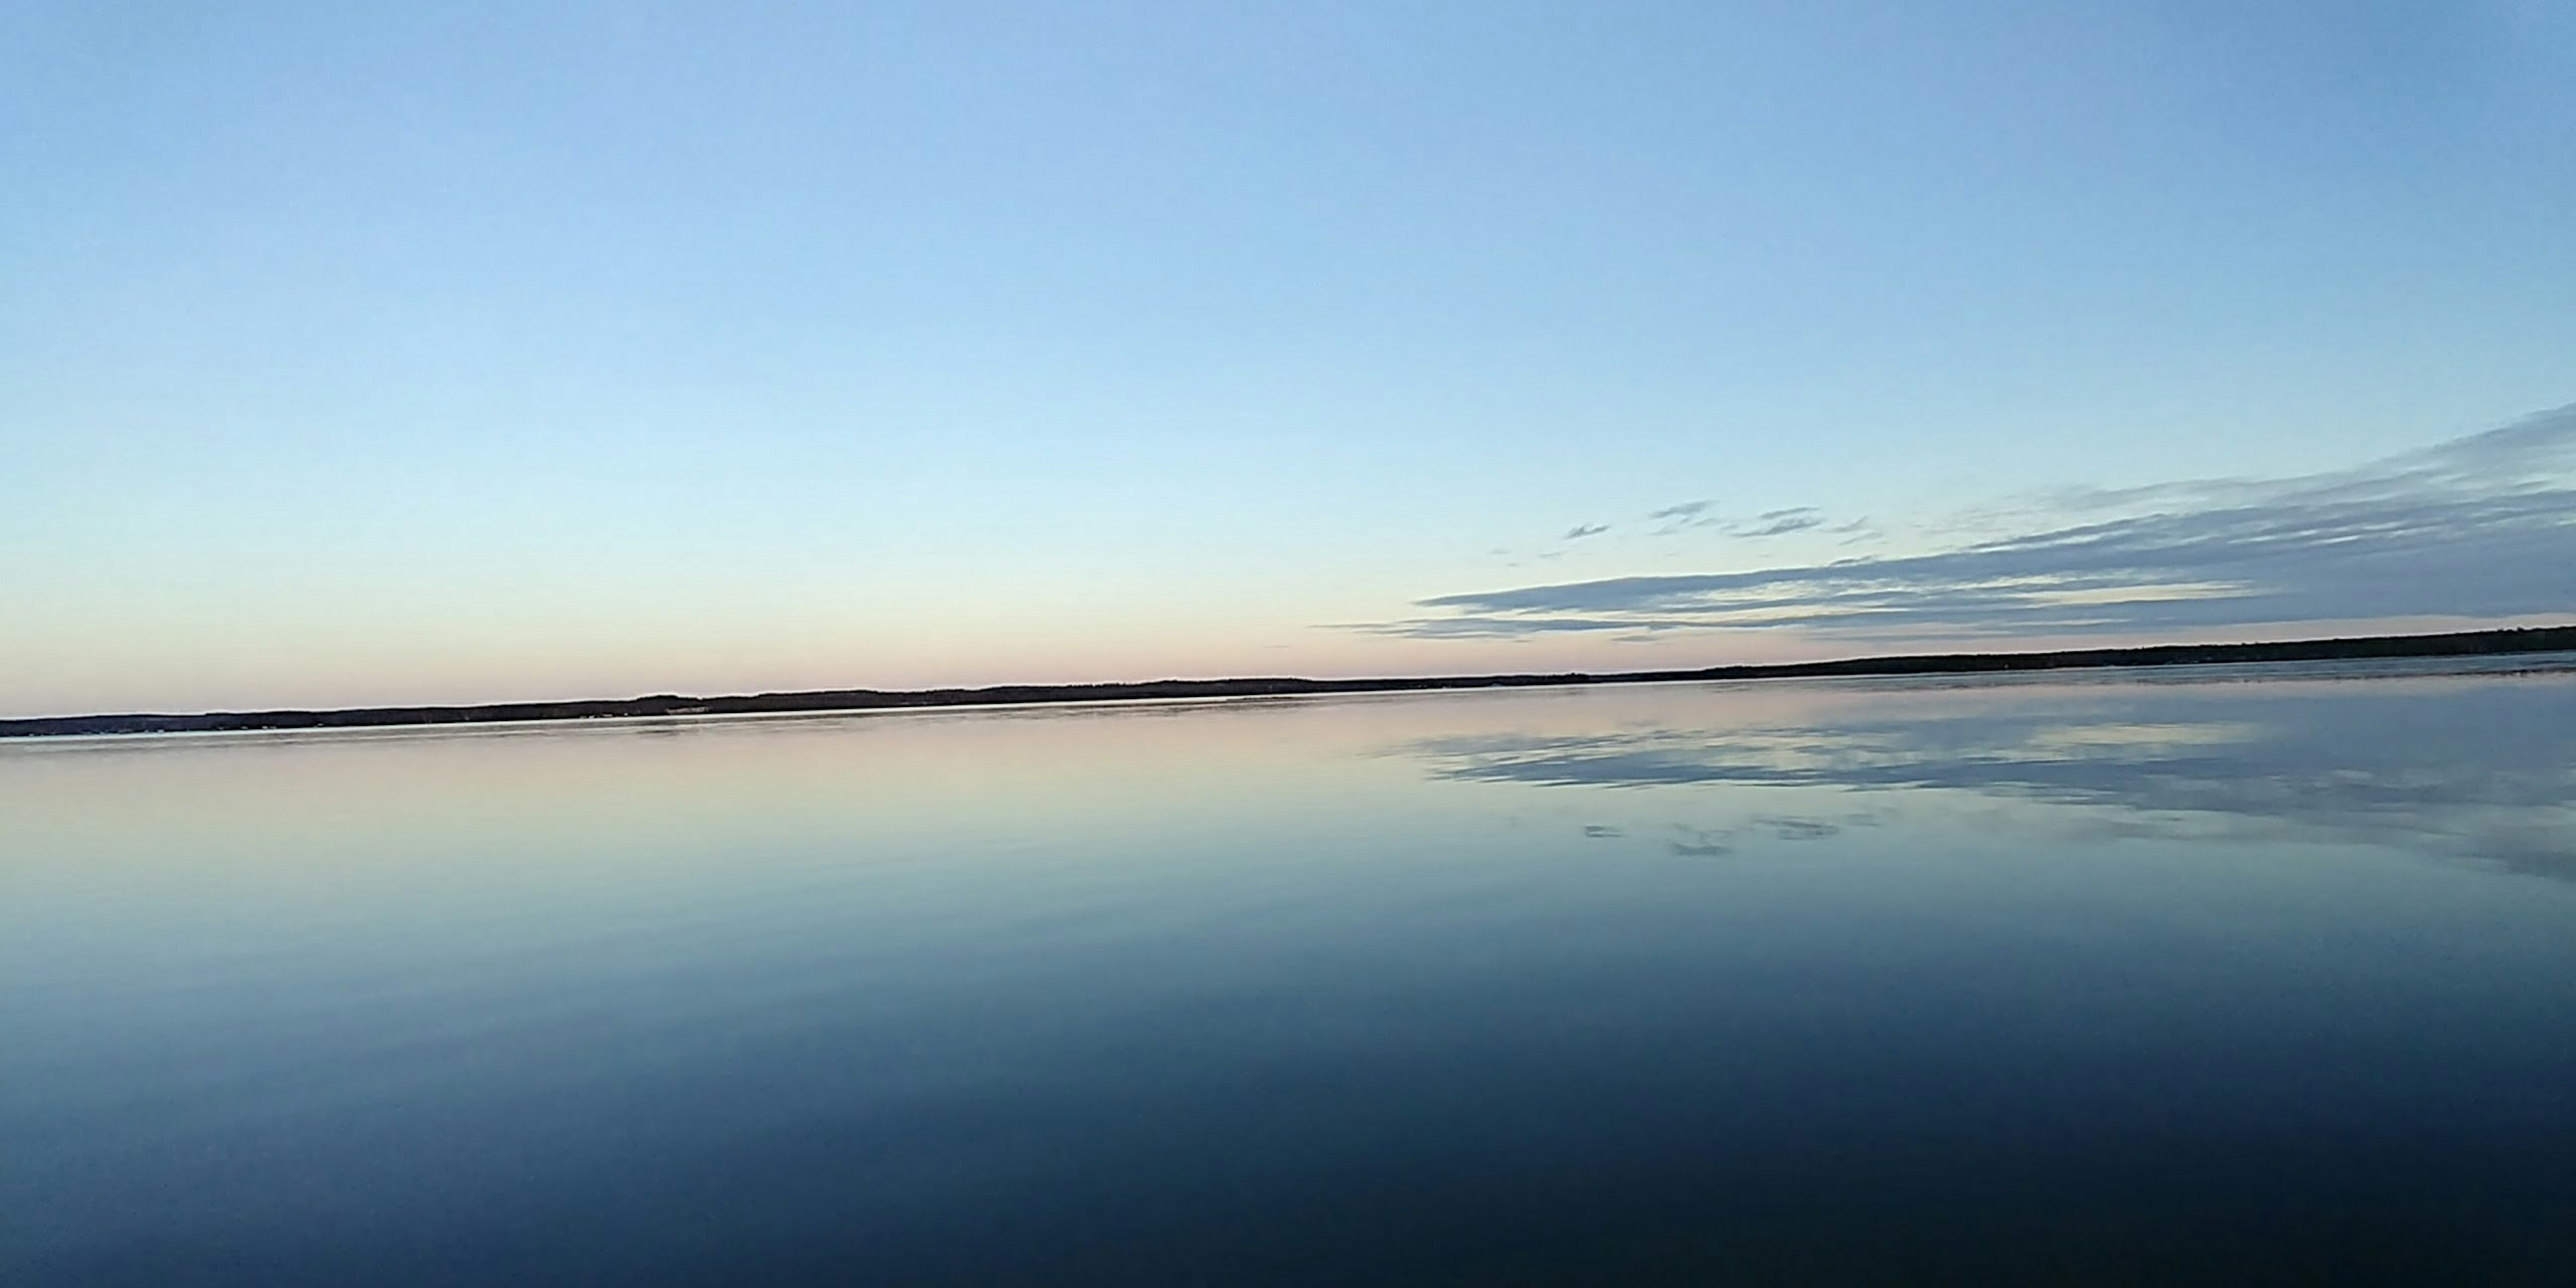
[2540, 639]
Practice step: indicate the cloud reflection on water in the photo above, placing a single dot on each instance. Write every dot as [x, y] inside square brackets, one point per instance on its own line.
[2481, 767]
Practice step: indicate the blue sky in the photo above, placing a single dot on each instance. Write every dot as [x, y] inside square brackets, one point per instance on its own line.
[370, 353]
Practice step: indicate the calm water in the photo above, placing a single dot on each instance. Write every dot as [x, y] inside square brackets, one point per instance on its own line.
[2264, 974]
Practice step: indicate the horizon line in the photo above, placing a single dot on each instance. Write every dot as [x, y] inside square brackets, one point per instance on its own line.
[2494, 641]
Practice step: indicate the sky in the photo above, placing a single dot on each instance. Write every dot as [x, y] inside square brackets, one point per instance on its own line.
[357, 354]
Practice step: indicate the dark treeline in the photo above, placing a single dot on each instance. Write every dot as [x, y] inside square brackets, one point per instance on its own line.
[2458, 644]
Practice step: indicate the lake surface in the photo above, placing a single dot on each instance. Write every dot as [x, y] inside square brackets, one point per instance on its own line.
[2259, 974]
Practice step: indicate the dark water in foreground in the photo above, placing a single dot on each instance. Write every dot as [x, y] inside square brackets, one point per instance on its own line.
[2263, 974]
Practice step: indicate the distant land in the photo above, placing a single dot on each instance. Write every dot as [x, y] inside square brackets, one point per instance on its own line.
[2541, 639]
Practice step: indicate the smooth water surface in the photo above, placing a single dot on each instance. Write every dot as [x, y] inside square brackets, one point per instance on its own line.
[2265, 974]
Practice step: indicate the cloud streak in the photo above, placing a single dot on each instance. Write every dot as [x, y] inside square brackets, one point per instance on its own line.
[1773, 523]
[2480, 527]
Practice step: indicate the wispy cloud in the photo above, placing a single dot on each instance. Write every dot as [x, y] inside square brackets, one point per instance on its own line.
[2481, 527]
[1857, 532]
[1582, 530]
[1675, 519]
[1701, 515]
[1773, 523]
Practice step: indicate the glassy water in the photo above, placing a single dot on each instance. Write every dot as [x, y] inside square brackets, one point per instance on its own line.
[2265, 974]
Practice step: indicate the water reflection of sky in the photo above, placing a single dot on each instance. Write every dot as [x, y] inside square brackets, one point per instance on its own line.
[2168, 977]
[2482, 765]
